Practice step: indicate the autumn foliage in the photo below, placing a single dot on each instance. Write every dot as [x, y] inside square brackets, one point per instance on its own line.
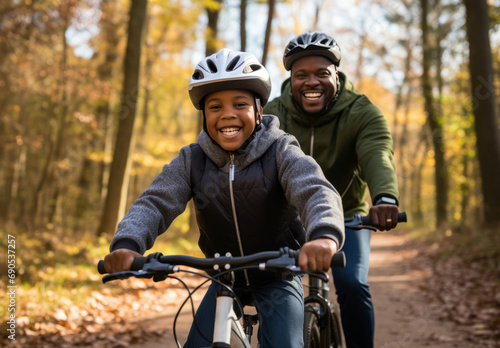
[62, 98]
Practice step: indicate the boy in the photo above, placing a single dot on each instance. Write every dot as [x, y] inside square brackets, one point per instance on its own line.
[254, 190]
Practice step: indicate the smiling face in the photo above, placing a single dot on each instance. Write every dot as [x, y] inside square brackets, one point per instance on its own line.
[314, 83]
[230, 117]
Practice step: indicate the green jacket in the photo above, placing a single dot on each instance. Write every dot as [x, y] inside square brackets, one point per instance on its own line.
[352, 143]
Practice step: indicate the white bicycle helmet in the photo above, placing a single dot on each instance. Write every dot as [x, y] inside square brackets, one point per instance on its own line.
[228, 69]
[311, 43]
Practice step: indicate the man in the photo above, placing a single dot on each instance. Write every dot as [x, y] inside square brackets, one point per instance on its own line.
[350, 139]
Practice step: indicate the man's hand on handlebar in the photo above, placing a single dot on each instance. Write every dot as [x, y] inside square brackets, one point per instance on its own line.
[384, 216]
[317, 254]
[120, 260]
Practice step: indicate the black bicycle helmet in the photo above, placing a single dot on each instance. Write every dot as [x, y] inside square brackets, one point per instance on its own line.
[311, 43]
[228, 69]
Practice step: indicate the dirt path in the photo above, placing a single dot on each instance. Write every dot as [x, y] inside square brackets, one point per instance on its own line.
[402, 313]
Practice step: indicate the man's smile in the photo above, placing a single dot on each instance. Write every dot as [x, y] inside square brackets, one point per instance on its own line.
[312, 96]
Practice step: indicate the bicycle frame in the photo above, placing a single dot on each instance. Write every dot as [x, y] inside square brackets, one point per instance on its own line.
[323, 326]
[228, 331]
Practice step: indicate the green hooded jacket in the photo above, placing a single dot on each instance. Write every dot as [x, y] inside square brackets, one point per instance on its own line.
[352, 143]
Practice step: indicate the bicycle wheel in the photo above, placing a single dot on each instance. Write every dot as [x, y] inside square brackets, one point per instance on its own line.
[336, 333]
[312, 334]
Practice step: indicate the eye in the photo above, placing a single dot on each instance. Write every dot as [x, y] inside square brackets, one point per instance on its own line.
[324, 73]
[214, 107]
[241, 105]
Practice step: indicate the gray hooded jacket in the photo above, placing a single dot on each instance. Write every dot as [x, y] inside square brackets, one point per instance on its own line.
[302, 181]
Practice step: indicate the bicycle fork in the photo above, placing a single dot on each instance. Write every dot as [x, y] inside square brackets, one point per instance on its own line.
[318, 295]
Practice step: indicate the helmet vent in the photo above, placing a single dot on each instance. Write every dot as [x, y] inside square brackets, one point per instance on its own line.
[211, 66]
[232, 63]
[197, 75]
[251, 68]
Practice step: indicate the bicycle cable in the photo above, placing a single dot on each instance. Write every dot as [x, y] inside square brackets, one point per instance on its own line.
[190, 297]
[190, 294]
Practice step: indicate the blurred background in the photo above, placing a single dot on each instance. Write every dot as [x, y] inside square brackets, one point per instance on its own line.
[94, 101]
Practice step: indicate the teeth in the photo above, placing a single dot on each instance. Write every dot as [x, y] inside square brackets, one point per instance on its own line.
[312, 95]
[230, 130]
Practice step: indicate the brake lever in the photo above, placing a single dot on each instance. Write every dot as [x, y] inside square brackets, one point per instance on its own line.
[281, 263]
[153, 269]
[126, 275]
[356, 223]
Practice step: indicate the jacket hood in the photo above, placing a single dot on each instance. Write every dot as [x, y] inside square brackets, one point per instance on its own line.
[264, 138]
[347, 96]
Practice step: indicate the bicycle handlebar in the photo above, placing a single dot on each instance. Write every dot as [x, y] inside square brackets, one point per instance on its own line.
[145, 267]
[267, 260]
[357, 222]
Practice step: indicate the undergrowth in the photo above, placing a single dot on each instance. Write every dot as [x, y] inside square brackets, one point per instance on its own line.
[54, 269]
[472, 244]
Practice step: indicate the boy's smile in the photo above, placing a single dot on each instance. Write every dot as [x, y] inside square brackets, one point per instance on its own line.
[230, 117]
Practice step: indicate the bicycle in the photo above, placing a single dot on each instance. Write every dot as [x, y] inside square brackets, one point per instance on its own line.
[228, 331]
[322, 323]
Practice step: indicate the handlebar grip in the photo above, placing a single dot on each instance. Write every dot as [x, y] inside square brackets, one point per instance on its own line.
[402, 217]
[366, 220]
[138, 263]
[100, 267]
[338, 260]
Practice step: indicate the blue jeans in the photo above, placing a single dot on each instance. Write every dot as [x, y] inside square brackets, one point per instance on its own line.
[280, 308]
[353, 291]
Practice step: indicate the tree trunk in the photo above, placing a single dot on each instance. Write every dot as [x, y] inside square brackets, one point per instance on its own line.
[359, 64]
[211, 42]
[441, 175]
[47, 183]
[317, 11]
[484, 104]
[122, 159]
[405, 83]
[464, 189]
[243, 23]
[403, 148]
[267, 36]
[418, 162]
[212, 29]
[105, 72]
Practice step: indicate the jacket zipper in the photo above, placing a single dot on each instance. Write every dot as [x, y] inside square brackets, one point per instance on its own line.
[233, 206]
[311, 151]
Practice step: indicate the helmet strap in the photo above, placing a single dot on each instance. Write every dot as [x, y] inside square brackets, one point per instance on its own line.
[258, 111]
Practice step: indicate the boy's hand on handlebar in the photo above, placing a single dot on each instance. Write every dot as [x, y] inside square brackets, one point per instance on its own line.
[384, 217]
[317, 254]
[120, 260]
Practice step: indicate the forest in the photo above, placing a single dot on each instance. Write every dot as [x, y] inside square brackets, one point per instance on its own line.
[94, 101]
